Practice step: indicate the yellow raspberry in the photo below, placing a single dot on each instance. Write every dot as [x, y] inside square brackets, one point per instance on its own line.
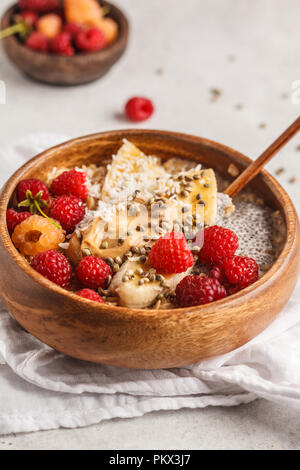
[83, 12]
[37, 234]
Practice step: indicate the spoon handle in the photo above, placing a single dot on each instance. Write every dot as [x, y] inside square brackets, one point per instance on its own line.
[240, 182]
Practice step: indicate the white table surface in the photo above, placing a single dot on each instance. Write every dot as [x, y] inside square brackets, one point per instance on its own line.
[250, 52]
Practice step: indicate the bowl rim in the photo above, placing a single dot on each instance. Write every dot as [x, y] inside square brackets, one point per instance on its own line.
[290, 214]
[104, 54]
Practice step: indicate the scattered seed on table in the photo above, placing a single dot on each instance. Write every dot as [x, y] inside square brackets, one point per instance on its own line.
[215, 94]
[279, 171]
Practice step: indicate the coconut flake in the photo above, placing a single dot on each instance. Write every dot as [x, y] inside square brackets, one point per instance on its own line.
[64, 246]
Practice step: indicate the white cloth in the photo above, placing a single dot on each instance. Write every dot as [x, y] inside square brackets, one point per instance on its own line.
[42, 389]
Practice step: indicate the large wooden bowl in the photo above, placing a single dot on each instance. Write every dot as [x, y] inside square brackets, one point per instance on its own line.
[58, 70]
[142, 338]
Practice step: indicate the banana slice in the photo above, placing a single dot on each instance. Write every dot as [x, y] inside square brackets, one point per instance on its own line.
[116, 237]
[136, 291]
[197, 196]
[129, 171]
[200, 189]
[124, 231]
[163, 202]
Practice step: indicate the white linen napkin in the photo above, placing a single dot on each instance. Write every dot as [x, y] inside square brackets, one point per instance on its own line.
[43, 389]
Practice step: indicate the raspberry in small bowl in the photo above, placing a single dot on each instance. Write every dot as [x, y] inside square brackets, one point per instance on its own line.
[70, 47]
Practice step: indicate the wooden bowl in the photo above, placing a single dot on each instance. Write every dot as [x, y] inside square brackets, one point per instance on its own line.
[58, 70]
[145, 338]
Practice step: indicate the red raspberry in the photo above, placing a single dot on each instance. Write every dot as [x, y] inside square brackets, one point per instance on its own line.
[92, 272]
[33, 185]
[70, 183]
[198, 290]
[90, 295]
[139, 109]
[14, 218]
[54, 266]
[37, 42]
[72, 29]
[62, 45]
[217, 272]
[90, 40]
[219, 243]
[241, 270]
[30, 17]
[41, 6]
[171, 254]
[233, 290]
[69, 211]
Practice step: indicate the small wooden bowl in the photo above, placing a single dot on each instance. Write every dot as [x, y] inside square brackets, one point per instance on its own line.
[58, 70]
[145, 338]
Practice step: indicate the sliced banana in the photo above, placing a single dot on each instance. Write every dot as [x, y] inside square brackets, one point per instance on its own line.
[158, 203]
[116, 237]
[201, 191]
[130, 170]
[124, 231]
[195, 204]
[136, 291]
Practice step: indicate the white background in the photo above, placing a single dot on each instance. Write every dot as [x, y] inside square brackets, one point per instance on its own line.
[193, 43]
